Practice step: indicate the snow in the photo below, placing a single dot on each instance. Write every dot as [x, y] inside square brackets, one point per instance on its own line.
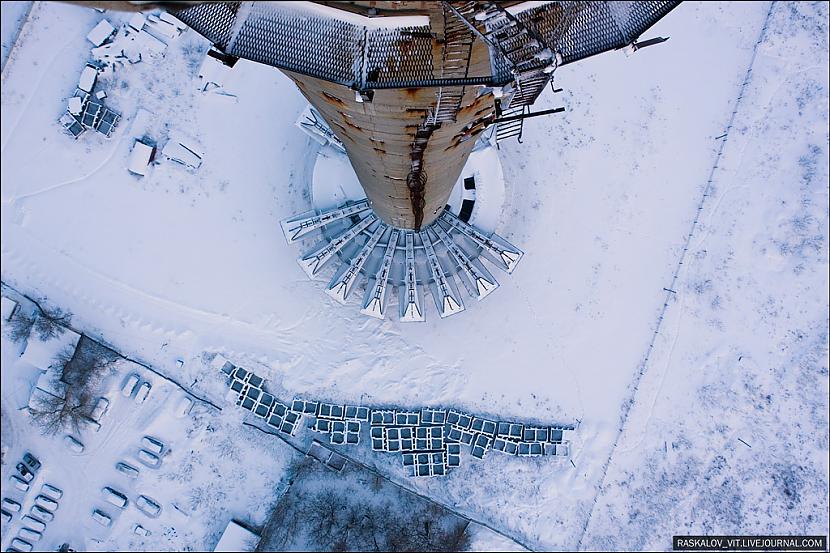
[183, 151]
[600, 198]
[13, 16]
[201, 483]
[100, 33]
[42, 353]
[137, 21]
[87, 78]
[76, 105]
[237, 538]
[140, 158]
[8, 307]
[381, 22]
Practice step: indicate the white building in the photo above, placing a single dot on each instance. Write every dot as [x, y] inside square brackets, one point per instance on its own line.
[237, 538]
[140, 158]
[102, 31]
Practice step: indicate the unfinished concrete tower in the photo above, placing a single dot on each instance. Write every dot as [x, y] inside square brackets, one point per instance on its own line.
[408, 87]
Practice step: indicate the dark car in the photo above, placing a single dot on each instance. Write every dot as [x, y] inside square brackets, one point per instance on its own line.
[26, 474]
[31, 461]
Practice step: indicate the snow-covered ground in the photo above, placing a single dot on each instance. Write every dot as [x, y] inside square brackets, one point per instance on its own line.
[13, 17]
[212, 468]
[601, 199]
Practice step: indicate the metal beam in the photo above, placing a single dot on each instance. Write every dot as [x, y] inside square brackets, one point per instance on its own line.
[374, 303]
[314, 260]
[296, 227]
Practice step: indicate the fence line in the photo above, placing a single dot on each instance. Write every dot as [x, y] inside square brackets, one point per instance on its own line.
[669, 290]
[101, 342]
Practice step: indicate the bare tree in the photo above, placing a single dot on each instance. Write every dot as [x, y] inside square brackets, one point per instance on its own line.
[338, 522]
[20, 325]
[54, 414]
[83, 367]
[51, 323]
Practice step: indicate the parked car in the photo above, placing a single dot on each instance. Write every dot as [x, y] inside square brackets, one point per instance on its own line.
[183, 407]
[73, 444]
[7, 516]
[95, 426]
[31, 461]
[127, 470]
[20, 545]
[100, 409]
[148, 506]
[139, 530]
[19, 483]
[11, 505]
[149, 459]
[115, 497]
[33, 523]
[130, 385]
[29, 535]
[46, 503]
[153, 445]
[25, 472]
[51, 491]
[143, 392]
[42, 514]
[101, 518]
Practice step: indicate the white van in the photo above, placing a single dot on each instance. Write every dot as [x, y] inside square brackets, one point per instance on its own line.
[130, 385]
[115, 497]
[101, 518]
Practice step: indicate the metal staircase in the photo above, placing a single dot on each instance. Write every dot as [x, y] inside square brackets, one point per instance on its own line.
[514, 127]
[531, 57]
[458, 45]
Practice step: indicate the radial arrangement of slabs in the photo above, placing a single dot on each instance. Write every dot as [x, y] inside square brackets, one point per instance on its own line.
[385, 256]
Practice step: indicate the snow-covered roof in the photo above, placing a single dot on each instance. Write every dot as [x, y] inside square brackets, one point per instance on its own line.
[8, 307]
[140, 158]
[87, 79]
[100, 32]
[137, 21]
[42, 354]
[50, 382]
[75, 105]
[175, 150]
[237, 538]
[149, 43]
[213, 70]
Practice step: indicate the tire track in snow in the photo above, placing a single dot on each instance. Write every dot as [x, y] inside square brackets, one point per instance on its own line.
[628, 404]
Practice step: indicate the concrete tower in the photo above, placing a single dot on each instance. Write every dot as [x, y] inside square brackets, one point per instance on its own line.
[408, 87]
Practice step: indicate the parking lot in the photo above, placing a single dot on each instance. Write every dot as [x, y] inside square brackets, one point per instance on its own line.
[148, 458]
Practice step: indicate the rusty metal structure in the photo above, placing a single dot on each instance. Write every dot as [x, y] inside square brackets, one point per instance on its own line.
[407, 86]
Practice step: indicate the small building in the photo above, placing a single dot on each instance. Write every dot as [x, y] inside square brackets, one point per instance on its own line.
[71, 124]
[140, 158]
[137, 22]
[10, 307]
[43, 354]
[88, 77]
[185, 154]
[76, 105]
[102, 31]
[237, 538]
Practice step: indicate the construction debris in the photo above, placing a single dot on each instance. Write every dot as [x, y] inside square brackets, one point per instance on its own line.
[429, 440]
